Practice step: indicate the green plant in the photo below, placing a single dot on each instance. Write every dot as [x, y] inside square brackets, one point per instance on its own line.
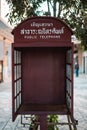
[52, 119]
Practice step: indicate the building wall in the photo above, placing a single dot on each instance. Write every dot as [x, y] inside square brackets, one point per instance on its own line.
[5, 41]
[7, 59]
[84, 62]
[82, 58]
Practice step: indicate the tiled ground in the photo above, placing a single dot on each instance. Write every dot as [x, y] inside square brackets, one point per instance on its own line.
[80, 99]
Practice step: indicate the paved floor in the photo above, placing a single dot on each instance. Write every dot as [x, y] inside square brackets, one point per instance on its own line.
[80, 99]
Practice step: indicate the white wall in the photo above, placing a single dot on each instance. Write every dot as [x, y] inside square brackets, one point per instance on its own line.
[84, 62]
[9, 60]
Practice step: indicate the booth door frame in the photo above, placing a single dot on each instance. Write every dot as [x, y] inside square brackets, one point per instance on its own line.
[17, 81]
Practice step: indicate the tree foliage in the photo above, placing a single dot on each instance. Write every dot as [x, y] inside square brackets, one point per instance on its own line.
[73, 12]
[21, 9]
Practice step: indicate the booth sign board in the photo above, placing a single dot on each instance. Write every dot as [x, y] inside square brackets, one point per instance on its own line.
[42, 67]
[39, 30]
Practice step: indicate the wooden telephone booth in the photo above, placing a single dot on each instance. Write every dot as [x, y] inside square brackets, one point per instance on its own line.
[42, 68]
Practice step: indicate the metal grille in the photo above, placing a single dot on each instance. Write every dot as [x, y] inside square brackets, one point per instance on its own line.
[69, 79]
[17, 80]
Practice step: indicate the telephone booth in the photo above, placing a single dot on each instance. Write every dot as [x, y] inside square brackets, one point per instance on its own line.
[42, 68]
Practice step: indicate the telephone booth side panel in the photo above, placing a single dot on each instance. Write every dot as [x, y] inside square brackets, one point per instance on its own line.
[69, 80]
[16, 81]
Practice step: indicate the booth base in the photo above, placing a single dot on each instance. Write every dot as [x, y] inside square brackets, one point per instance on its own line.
[43, 109]
[42, 123]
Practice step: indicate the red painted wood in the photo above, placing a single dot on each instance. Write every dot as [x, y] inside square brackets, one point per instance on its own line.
[42, 29]
[43, 73]
[43, 122]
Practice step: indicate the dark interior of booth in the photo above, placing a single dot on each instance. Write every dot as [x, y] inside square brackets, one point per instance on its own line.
[43, 80]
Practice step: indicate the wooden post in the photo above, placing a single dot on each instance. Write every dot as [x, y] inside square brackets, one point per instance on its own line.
[43, 122]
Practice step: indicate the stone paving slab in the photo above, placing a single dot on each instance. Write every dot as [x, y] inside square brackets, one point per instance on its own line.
[80, 100]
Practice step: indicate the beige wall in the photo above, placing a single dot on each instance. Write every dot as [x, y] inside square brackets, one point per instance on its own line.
[6, 40]
[80, 58]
